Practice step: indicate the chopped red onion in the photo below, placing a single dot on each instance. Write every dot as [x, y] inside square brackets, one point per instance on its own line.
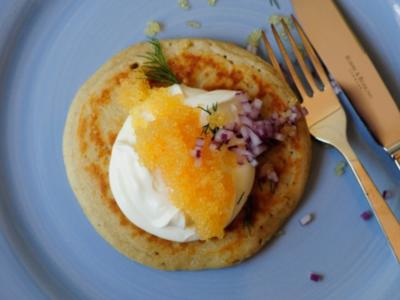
[249, 136]
[316, 277]
[237, 140]
[257, 104]
[241, 160]
[267, 129]
[242, 97]
[293, 118]
[297, 112]
[245, 120]
[200, 142]
[282, 121]
[254, 162]
[231, 126]
[387, 194]
[255, 109]
[243, 152]
[254, 139]
[306, 219]
[247, 107]
[196, 153]
[251, 49]
[274, 117]
[244, 131]
[279, 136]
[254, 114]
[223, 135]
[366, 215]
[272, 176]
[213, 147]
[257, 150]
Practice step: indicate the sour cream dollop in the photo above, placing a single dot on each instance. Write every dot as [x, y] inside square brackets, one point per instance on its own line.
[142, 196]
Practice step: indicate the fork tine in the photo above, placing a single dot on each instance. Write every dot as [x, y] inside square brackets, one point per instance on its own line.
[289, 64]
[299, 57]
[311, 53]
[272, 55]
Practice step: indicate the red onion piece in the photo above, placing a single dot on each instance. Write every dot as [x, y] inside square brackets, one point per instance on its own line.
[271, 175]
[231, 126]
[366, 215]
[241, 97]
[213, 147]
[247, 107]
[279, 137]
[254, 139]
[315, 277]
[254, 162]
[258, 150]
[241, 160]
[306, 219]
[244, 131]
[257, 104]
[245, 120]
[387, 194]
[200, 142]
[223, 135]
[196, 153]
[243, 152]
[254, 114]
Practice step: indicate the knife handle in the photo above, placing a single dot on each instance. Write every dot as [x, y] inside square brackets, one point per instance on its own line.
[383, 213]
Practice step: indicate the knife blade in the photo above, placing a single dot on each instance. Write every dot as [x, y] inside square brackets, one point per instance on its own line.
[351, 67]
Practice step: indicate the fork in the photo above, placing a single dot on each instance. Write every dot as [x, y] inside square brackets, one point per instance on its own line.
[326, 121]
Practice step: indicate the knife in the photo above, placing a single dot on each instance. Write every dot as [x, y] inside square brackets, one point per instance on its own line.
[351, 67]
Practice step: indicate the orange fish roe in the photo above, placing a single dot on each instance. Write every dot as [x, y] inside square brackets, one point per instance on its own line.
[133, 89]
[205, 193]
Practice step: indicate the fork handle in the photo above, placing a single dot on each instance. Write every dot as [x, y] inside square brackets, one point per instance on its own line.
[383, 213]
[396, 157]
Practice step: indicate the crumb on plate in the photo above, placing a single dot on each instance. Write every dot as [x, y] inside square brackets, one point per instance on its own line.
[193, 24]
[153, 28]
[340, 168]
[253, 40]
[184, 4]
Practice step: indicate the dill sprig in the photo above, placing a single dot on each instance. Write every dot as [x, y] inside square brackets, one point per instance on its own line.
[156, 67]
[248, 213]
[206, 128]
[274, 2]
[240, 198]
[208, 110]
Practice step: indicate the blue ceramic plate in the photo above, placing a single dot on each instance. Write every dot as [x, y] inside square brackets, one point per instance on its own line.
[48, 249]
